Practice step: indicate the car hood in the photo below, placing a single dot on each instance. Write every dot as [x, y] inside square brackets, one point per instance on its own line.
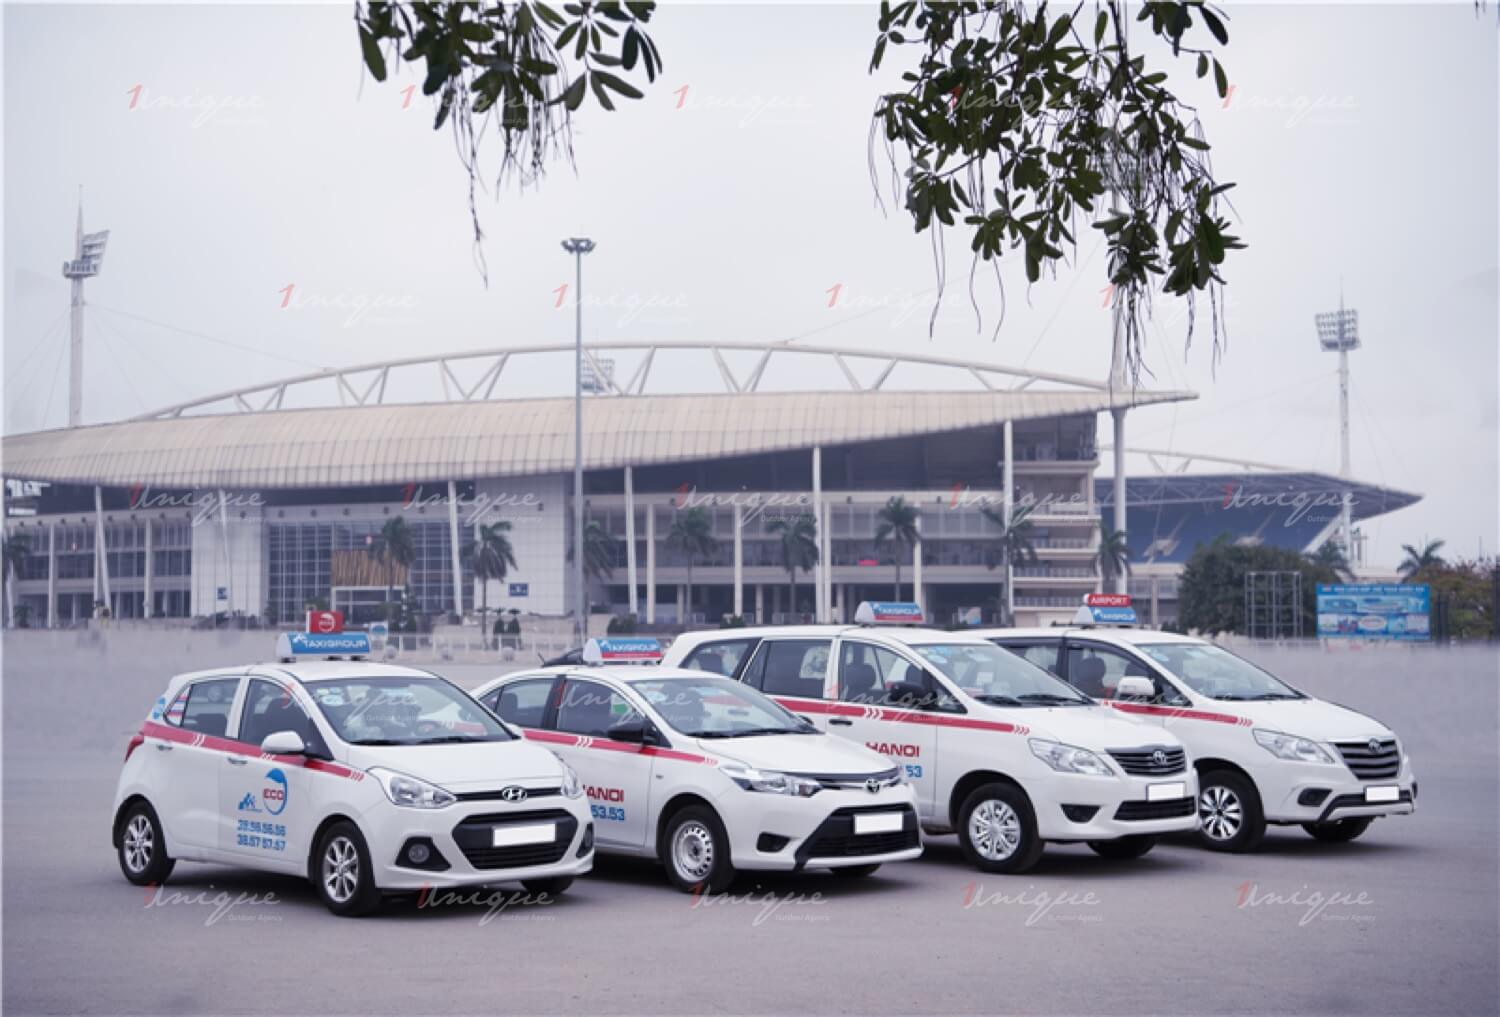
[1088, 727]
[797, 753]
[463, 766]
[1308, 718]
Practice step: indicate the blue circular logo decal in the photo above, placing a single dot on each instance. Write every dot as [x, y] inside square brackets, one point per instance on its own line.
[273, 795]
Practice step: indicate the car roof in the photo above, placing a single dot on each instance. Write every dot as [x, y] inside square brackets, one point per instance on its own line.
[1132, 636]
[619, 672]
[913, 634]
[329, 670]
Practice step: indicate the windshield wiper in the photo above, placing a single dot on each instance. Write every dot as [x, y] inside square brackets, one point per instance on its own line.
[377, 741]
[999, 700]
[1049, 697]
[451, 738]
[1275, 695]
[750, 731]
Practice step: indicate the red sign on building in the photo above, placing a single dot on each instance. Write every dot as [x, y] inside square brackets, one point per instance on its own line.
[325, 621]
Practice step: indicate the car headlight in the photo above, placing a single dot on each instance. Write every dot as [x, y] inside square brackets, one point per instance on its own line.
[770, 781]
[572, 787]
[1286, 746]
[409, 792]
[1069, 758]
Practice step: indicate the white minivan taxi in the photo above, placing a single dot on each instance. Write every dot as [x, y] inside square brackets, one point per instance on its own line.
[997, 749]
[706, 775]
[365, 778]
[1265, 752]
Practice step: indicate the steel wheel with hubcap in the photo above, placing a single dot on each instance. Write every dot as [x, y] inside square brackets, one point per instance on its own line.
[342, 872]
[1229, 812]
[143, 848]
[997, 829]
[696, 852]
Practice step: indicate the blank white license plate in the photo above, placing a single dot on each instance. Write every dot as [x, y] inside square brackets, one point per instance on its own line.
[877, 822]
[1165, 792]
[529, 833]
[1383, 794]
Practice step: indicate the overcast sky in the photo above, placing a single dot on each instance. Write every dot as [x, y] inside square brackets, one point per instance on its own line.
[235, 152]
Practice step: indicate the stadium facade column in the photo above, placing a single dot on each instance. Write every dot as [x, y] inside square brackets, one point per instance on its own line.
[1008, 507]
[51, 575]
[825, 528]
[630, 577]
[916, 568]
[150, 583]
[456, 562]
[1121, 582]
[101, 553]
[650, 564]
[739, 562]
[819, 614]
[760, 603]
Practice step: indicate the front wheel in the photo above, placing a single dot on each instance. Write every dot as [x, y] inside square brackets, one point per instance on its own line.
[1123, 847]
[143, 848]
[1229, 812]
[342, 872]
[1340, 831]
[997, 829]
[554, 887]
[855, 871]
[696, 852]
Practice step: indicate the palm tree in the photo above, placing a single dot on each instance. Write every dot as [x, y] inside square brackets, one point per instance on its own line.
[393, 546]
[1012, 547]
[1331, 556]
[12, 558]
[898, 525]
[799, 550]
[491, 557]
[598, 551]
[1427, 557]
[1113, 556]
[692, 533]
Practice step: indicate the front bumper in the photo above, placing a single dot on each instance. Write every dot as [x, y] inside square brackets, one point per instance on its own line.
[461, 837]
[1322, 792]
[781, 833]
[1075, 807]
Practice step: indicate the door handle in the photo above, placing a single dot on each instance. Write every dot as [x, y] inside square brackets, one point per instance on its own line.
[842, 722]
[237, 760]
[163, 747]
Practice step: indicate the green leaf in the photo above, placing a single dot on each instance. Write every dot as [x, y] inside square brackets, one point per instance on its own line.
[573, 97]
[625, 88]
[566, 35]
[1101, 25]
[1221, 80]
[1215, 26]
[374, 60]
[599, 92]
[628, 49]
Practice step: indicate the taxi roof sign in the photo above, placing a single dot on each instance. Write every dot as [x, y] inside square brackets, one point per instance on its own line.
[888, 612]
[305, 645]
[623, 650]
[1106, 609]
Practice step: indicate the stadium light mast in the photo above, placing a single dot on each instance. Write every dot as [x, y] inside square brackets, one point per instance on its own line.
[578, 247]
[88, 257]
[1338, 331]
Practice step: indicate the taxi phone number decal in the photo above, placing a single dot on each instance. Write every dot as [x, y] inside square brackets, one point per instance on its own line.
[252, 833]
[611, 813]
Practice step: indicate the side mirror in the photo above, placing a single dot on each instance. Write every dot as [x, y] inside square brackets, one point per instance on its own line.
[631, 729]
[910, 695]
[283, 743]
[1135, 687]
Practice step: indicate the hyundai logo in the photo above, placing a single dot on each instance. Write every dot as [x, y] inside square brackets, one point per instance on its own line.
[872, 785]
[1159, 758]
[1374, 745]
[514, 793]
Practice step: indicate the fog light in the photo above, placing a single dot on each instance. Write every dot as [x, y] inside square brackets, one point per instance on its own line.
[418, 854]
[588, 841]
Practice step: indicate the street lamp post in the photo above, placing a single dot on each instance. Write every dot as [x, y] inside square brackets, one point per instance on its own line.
[578, 247]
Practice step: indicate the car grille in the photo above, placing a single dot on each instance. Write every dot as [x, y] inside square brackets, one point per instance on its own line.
[474, 838]
[1142, 811]
[1358, 802]
[496, 794]
[1381, 764]
[855, 781]
[835, 838]
[1142, 762]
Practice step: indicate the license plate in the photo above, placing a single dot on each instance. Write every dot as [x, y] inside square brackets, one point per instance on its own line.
[528, 833]
[877, 822]
[1164, 792]
[1383, 794]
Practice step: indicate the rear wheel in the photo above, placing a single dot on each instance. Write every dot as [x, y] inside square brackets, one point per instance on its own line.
[997, 829]
[1340, 831]
[855, 871]
[342, 872]
[143, 848]
[696, 852]
[1229, 812]
[1123, 847]
[554, 887]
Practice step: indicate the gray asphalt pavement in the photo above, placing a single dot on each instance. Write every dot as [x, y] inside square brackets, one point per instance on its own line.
[1403, 921]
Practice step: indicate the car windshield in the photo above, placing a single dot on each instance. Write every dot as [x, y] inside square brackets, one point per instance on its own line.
[1215, 672]
[997, 676]
[718, 708]
[404, 711]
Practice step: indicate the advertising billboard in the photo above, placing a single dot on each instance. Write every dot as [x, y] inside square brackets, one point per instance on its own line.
[1374, 611]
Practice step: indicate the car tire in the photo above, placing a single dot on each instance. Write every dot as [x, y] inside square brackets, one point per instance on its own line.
[554, 887]
[143, 847]
[1229, 812]
[695, 851]
[1123, 847]
[1340, 831]
[855, 871]
[997, 829]
[341, 872]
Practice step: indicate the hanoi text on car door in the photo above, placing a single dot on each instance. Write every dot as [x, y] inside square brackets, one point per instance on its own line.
[881, 681]
[616, 775]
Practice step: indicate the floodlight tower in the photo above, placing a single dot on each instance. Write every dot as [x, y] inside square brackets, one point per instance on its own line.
[578, 247]
[88, 256]
[1338, 331]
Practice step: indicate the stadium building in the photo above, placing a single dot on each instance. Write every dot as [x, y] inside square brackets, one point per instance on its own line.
[259, 501]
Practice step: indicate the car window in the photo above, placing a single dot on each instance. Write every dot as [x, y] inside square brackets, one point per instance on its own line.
[207, 706]
[523, 703]
[721, 657]
[404, 711]
[1043, 655]
[866, 672]
[270, 708]
[794, 667]
[588, 708]
[1096, 670]
[718, 708]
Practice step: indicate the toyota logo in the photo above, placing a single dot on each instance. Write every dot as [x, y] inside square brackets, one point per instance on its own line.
[1159, 758]
[1374, 745]
[872, 785]
[513, 793]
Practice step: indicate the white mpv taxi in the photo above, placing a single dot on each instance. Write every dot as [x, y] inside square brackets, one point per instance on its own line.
[705, 774]
[997, 749]
[365, 778]
[1265, 752]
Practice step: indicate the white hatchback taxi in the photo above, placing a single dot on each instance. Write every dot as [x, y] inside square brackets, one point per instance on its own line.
[997, 749]
[365, 778]
[1265, 752]
[706, 775]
